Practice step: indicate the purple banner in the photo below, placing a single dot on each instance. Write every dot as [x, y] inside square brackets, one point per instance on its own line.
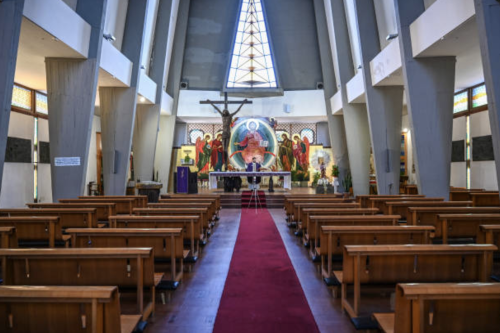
[182, 179]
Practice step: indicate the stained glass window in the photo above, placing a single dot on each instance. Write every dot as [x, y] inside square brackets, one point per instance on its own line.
[461, 102]
[194, 135]
[479, 97]
[41, 103]
[251, 61]
[308, 133]
[21, 98]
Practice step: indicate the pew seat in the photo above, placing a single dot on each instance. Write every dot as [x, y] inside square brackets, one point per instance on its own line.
[443, 307]
[68, 217]
[63, 309]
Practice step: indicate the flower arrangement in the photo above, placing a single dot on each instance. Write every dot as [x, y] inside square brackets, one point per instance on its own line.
[335, 170]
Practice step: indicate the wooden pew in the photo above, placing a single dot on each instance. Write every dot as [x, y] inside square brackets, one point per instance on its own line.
[297, 206]
[167, 243]
[8, 237]
[312, 237]
[463, 225]
[462, 194]
[190, 225]
[308, 212]
[387, 264]
[289, 203]
[123, 205]
[401, 207]
[62, 309]
[443, 307]
[122, 267]
[334, 238]
[485, 199]
[68, 217]
[34, 229]
[201, 212]
[411, 189]
[488, 234]
[141, 201]
[211, 213]
[364, 199]
[428, 215]
[380, 202]
[194, 196]
[103, 209]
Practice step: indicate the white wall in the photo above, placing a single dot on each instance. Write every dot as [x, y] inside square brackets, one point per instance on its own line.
[71, 3]
[353, 33]
[171, 34]
[386, 20]
[44, 176]
[483, 173]
[92, 160]
[116, 14]
[149, 33]
[18, 179]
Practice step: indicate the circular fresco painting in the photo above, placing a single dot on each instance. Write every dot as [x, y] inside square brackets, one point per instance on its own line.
[250, 138]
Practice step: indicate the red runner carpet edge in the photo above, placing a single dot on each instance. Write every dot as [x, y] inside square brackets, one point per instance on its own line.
[262, 291]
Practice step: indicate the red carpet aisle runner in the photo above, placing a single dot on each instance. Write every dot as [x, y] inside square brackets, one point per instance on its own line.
[247, 195]
[262, 291]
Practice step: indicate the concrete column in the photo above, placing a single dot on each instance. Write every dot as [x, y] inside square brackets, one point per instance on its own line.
[71, 93]
[145, 134]
[163, 158]
[429, 86]
[167, 126]
[148, 116]
[488, 23]
[118, 105]
[385, 105]
[355, 115]
[335, 123]
[11, 16]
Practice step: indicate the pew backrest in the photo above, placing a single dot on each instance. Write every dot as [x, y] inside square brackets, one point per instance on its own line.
[428, 215]
[364, 200]
[141, 201]
[68, 217]
[123, 205]
[401, 207]
[103, 209]
[8, 237]
[35, 228]
[463, 225]
[485, 199]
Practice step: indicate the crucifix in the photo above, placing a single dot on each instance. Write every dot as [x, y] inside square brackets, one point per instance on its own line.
[227, 119]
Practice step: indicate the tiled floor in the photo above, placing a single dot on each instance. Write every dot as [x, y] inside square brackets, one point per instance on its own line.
[194, 305]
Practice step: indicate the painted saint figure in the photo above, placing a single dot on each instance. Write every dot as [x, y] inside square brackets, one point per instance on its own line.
[203, 152]
[301, 152]
[286, 153]
[217, 158]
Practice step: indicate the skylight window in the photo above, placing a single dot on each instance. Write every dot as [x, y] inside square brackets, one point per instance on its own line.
[251, 60]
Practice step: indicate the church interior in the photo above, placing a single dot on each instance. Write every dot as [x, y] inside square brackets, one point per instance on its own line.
[250, 166]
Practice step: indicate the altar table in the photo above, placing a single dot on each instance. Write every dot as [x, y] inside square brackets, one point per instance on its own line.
[287, 175]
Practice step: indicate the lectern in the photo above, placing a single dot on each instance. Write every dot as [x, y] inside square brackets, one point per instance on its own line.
[185, 181]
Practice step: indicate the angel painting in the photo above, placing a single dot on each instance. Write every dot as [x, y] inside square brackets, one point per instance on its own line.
[286, 153]
[203, 154]
[301, 152]
[217, 155]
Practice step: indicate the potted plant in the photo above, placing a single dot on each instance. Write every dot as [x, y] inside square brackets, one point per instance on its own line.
[347, 184]
[316, 177]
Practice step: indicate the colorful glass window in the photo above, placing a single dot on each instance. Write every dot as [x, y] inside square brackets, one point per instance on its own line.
[461, 102]
[194, 135]
[308, 133]
[479, 97]
[21, 98]
[41, 103]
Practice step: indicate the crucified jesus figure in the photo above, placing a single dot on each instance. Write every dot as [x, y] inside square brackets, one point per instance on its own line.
[227, 119]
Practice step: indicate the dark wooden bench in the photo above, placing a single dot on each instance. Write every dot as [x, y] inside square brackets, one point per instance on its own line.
[463, 225]
[312, 237]
[401, 207]
[35, 231]
[122, 267]
[429, 215]
[392, 264]
[298, 206]
[141, 201]
[485, 199]
[190, 225]
[194, 196]
[202, 213]
[211, 211]
[308, 212]
[103, 209]
[334, 238]
[380, 202]
[290, 202]
[411, 189]
[443, 307]
[63, 309]
[8, 237]
[488, 234]
[68, 217]
[364, 199]
[167, 243]
[462, 194]
[123, 205]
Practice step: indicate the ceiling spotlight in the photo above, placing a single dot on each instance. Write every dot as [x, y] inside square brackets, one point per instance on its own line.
[109, 37]
[391, 36]
[142, 99]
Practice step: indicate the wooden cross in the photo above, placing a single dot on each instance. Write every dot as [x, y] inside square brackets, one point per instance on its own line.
[225, 102]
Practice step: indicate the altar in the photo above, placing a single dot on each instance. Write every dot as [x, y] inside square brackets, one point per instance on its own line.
[287, 176]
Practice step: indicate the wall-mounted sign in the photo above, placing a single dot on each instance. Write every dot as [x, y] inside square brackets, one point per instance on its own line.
[67, 161]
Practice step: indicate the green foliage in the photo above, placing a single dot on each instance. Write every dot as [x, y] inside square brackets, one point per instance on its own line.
[299, 176]
[203, 176]
[347, 182]
[316, 177]
[187, 159]
[335, 170]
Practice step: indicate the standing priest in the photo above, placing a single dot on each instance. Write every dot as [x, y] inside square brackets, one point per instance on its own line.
[254, 167]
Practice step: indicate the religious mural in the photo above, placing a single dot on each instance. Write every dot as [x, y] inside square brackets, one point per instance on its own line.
[252, 137]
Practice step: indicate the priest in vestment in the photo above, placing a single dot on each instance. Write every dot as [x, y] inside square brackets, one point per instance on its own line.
[254, 167]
